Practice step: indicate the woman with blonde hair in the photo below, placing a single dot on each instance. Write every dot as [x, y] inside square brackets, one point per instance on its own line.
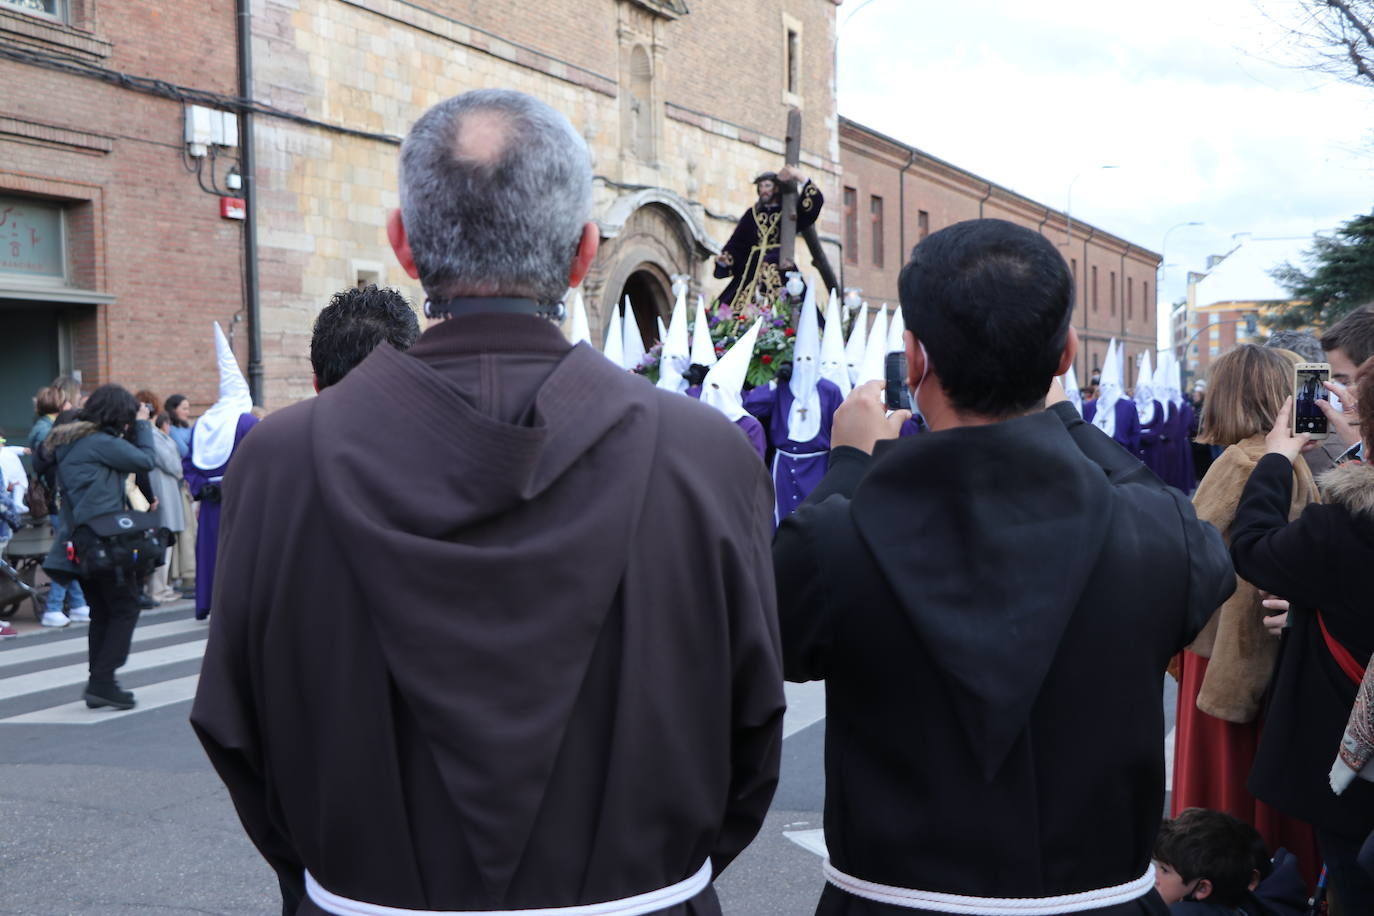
[1226, 670]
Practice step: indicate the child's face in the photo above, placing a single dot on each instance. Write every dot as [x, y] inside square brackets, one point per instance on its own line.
[1171, 885]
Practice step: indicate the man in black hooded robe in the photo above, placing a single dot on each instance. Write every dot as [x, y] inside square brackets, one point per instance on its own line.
[992, 605]
[487, 636]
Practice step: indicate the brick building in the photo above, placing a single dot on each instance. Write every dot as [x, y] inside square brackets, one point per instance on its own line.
[893, 195]
[681, 108]
[113, 261]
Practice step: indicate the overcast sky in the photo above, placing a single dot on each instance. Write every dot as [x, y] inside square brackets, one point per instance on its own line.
[1200, 103]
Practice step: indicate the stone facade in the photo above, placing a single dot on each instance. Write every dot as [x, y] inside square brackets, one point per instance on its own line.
[680, 110]
[917, 193]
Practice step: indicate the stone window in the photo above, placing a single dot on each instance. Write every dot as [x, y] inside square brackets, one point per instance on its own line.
[54, 9]
[791, 61]
[33, 241]
[1130, 298]
[639, 105]
[1094, 287]
[1145, 300]
[1111, 291]
[875, 215]
[922, 224]
[851, 226]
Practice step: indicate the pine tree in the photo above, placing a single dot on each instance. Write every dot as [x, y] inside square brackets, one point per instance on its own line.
[1341, 279]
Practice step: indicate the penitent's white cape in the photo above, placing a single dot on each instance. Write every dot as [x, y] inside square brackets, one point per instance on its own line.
[723, 387]
[804, 417]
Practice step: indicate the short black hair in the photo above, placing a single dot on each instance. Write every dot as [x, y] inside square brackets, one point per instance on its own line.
[1353, 334]
[1299, 342]
[352, 325]
[1201, 843]
[991, 301]
[110, 407]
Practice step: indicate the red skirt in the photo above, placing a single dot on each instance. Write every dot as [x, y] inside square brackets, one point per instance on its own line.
[1212, 761]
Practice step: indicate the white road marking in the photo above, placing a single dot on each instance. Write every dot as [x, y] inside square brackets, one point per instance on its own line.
[805, 706]
[154, 696]
[61, 647]
[75, 675]
[810, 840]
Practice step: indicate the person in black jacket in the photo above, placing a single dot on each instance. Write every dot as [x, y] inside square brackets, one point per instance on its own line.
[93, 460]
[1319, 563]
[992, 605]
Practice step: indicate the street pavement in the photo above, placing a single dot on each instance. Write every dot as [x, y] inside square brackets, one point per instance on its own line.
[116, 813]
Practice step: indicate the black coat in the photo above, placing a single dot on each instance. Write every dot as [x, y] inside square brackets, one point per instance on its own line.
[992, 609]
[1320, 561]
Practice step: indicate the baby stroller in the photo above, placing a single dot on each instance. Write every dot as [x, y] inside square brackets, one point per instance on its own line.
[22, 558]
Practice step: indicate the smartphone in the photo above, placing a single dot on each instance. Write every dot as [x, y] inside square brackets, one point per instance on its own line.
[897, 396]
[1308, 389]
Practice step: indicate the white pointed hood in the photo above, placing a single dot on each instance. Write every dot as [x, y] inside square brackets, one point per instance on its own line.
[212, 438]
[1109, 391]
[1145, 390]
[614, 350]
[1070, 382]
[804, 418]
[833, 366]
[1170, 388]
[723, 387]
[703, 348]
[673, 360]
[580, 331]
[854, 347]
[875, 352]
[895, 329]
[634, 341]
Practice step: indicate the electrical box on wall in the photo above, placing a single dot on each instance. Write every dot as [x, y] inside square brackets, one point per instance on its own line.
[233, 208]
[206, 127]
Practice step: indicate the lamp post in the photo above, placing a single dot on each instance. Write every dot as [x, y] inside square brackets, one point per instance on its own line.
[1068, 203]
[1163, 275]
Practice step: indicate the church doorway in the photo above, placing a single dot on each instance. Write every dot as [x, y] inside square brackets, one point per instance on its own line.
[650, 292]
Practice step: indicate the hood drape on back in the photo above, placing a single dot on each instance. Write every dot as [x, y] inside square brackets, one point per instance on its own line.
[993, 613]
[517, 521]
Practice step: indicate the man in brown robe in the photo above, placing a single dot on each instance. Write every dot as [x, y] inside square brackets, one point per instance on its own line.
[488, 634]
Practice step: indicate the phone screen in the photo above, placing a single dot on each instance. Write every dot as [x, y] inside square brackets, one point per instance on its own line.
[896, 395]
[1308, 390]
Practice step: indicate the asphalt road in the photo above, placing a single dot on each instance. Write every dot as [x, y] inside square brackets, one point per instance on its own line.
[119, 813]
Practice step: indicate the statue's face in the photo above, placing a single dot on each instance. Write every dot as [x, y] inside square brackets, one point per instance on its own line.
[767, 189]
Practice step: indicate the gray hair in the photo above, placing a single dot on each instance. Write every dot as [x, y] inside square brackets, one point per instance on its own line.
[494, 208]
[1300, 342]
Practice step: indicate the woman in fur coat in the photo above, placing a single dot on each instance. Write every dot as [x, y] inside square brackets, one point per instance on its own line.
[1320, 562]
[1226, 670]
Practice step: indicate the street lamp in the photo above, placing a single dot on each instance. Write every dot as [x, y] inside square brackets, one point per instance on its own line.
[1068, 204]
[1163, 275]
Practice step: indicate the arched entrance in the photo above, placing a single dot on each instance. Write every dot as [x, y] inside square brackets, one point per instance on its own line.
[650, 292]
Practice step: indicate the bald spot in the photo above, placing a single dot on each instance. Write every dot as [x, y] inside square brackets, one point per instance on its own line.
[481, 136]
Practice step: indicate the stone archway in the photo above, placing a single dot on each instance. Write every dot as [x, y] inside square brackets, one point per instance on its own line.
[647, 238]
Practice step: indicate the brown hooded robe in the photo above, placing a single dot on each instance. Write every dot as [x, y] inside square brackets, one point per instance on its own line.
[489, 633]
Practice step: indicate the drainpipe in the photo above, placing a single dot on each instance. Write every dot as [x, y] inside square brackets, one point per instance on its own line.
[984, 200]
[1041, 228]
[250, 198]
[901, 204]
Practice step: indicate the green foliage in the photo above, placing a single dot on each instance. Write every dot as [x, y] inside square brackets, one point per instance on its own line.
[1341, 279]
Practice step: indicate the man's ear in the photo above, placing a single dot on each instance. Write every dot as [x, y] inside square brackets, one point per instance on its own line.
[915, 361]
[1070, 351]
[315, 380]
[1203, 889]
[396, 235]
[586, 253]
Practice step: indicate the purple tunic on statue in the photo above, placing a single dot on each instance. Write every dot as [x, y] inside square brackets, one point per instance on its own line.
[797, 466]
[1127, 431]
[751, 427]
[207, 523]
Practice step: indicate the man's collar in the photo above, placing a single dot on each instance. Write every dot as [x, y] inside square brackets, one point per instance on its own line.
[463, 306]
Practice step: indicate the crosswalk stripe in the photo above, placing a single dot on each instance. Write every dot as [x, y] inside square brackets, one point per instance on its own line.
[58, 648]
[805, 706]
[68, 675]
[154, 696]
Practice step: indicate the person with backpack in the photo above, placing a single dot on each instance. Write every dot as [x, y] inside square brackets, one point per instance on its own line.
[94, 458]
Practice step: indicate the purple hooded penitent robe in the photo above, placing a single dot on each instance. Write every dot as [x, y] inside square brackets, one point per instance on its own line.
[1154, 442]
[751, 428]
[1127, 432]
[207, 523]
[797, 466]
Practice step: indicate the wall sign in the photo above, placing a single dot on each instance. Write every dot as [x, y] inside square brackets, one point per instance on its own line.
[31, 243]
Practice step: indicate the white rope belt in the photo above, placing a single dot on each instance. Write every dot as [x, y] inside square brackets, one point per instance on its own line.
[991, 906]
[800, 454]
[652, 902]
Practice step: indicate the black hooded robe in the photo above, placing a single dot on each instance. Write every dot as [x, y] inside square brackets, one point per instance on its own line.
[489, 635]
[992, 609]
